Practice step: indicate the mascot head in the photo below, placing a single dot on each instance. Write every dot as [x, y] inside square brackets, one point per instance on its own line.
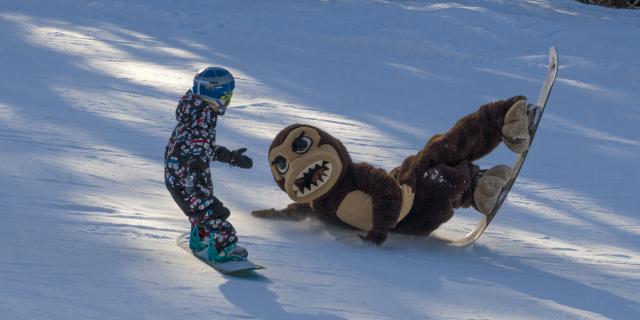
[307, 162]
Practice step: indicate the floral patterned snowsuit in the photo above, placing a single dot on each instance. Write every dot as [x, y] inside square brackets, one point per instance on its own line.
[187, 175]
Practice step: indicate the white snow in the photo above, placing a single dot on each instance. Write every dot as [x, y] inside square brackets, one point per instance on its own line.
[87, 97]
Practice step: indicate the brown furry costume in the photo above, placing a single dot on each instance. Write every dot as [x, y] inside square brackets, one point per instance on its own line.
[316, 171]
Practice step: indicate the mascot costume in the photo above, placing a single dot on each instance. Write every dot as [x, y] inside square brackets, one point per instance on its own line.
[317, 173]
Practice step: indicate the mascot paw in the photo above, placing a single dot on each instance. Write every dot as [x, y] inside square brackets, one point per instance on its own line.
[376, 237]
[515, 130]
[489, 187]
[266, 213]
[277, 215]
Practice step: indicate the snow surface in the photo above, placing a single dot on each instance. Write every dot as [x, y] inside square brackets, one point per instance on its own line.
[87, 96]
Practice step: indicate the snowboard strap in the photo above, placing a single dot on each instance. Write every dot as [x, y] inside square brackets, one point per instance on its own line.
[195, 241]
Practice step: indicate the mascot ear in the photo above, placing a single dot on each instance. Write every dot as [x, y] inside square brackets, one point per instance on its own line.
[306, 162]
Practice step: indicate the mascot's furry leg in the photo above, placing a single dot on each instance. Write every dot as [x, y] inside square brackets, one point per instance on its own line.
[443, 175]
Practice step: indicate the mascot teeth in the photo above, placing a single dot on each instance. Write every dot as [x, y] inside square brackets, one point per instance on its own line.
[312, 178]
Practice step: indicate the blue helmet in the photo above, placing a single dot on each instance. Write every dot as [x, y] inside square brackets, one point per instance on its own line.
[214, 85]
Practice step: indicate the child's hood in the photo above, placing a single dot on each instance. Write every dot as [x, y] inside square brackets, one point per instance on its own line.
[188, 106]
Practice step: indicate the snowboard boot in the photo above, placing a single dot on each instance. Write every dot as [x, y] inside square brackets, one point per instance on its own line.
[233, 252]
[222, 242]
[515, 130]
[489, 186]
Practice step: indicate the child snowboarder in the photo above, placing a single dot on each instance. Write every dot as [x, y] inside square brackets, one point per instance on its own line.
[187, 156]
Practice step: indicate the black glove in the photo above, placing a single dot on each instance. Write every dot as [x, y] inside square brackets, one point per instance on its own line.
[223, 154]
[234, 158]
[240, 160]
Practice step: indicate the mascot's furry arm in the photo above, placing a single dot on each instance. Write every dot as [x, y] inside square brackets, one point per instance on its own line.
[294, 211]
[386, 199]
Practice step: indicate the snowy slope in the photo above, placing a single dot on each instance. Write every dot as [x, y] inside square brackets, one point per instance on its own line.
[87, 95]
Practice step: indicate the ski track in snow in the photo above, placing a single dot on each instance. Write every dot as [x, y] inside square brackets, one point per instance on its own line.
[87, 102]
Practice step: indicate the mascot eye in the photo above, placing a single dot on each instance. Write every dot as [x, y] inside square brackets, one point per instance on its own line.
[281, 164]
[302, 144]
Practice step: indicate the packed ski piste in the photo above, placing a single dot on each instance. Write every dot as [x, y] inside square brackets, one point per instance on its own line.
[340, 159]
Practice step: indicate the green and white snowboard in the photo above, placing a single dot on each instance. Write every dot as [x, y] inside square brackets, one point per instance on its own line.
[227, 267]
